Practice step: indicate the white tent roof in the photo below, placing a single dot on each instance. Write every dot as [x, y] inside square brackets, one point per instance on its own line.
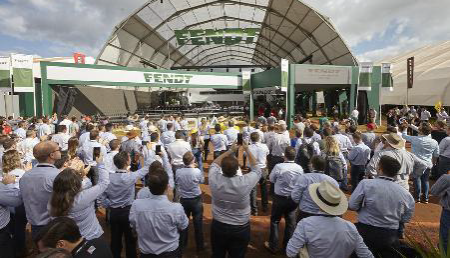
[288, 29]
[431, 77]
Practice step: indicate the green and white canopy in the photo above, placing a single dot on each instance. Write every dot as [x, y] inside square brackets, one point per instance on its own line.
[168, 33]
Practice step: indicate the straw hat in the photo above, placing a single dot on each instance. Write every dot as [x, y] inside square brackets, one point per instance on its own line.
[132, 134]
[395, 140]
[328, 197]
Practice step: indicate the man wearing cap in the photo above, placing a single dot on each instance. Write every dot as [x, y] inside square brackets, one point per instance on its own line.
[382, 205]
[282, 176]
[394, 147]
[369, 136]
[327, 235]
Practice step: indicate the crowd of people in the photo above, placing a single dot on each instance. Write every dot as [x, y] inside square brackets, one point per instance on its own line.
[57, 172]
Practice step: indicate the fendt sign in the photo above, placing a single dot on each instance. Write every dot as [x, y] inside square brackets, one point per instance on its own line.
[217, 37]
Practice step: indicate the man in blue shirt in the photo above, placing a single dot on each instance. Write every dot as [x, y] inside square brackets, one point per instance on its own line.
[188, 180]
[382, 205]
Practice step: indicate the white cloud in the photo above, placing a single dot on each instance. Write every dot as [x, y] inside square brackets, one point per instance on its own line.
[84, 25]
[418, 23]
[79, 25]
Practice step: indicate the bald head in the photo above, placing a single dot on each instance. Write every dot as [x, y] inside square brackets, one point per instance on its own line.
[46, 152]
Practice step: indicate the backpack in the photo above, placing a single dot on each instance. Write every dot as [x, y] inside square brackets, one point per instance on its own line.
[304, 155]
[334, 167]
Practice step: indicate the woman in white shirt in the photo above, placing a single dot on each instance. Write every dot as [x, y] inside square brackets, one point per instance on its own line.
[12, 165]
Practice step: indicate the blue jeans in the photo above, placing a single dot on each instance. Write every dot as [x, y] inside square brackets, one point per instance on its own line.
[444, 227]
[422, 182]
[194, 207]
[198, 158]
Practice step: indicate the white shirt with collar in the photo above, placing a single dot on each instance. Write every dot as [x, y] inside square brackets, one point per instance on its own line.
[231, 134]
[219, 141]
[62, 140]
[284, 176]
[177, 149]
[278, 145]
[88, 150]
[21, 133]
[109, 161]
[260, 152]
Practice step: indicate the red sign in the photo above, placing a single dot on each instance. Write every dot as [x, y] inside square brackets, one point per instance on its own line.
[79, 58]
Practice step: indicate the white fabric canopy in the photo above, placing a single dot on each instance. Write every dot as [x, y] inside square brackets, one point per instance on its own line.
[431, 77]
[288, 29]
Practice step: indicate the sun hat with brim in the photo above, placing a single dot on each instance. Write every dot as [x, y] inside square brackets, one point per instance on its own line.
[329, 198]
[395, 140]
[132, 134]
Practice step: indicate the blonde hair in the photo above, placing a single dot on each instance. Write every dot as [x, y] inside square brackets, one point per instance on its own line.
[11, 160]
[331, 146]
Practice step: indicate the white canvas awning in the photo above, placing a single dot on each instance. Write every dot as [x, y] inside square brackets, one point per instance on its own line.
[288, 29]
[431, 77]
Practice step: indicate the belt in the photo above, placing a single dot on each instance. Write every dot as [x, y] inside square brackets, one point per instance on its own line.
[193, 198]
[283, 197]
[121, 208]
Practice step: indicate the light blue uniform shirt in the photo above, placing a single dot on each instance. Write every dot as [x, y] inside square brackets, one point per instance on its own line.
[188, 182]
[382, 203]
[144, 193]
[121, 189]
[284, 176]
[424, 147]
[83, 210]
[442, 189]
[444, 147]
[359, 155]
[231, 195]
[300, 193]
[330, 237]
[157, 222]
[9, 197]
[36, 187]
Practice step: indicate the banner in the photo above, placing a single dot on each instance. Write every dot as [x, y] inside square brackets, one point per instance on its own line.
[246, 86]
[284, 74]
[229, 36]
[386, 76]
[5, 74]
[365, 76]
[22, 71]
[410, 72]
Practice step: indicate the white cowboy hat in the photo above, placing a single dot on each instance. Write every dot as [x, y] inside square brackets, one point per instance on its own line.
[328, 197]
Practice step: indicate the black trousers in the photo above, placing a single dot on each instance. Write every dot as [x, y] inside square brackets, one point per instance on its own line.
[229, 239]
[218, 153]
[382, 242]
[120, 226]
[303, 215]
[17, 228]
[6, 243]
[172, 254]
[264, 197]
[357, 174]
[282, 207]
[194, 207]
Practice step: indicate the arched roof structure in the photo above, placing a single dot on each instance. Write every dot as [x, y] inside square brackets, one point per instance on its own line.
[290, 29]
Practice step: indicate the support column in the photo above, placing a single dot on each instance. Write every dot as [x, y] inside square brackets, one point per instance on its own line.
[45, 106]
[290, 95]
[252, 107]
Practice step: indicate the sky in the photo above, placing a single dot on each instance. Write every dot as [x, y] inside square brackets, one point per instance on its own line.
[373, 29]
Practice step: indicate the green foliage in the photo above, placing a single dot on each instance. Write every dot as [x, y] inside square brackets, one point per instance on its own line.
[430, 251]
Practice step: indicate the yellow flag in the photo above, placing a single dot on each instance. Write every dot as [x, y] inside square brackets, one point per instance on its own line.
[438, 106]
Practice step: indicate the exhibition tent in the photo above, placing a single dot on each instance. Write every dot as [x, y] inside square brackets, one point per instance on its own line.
[431, 77]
